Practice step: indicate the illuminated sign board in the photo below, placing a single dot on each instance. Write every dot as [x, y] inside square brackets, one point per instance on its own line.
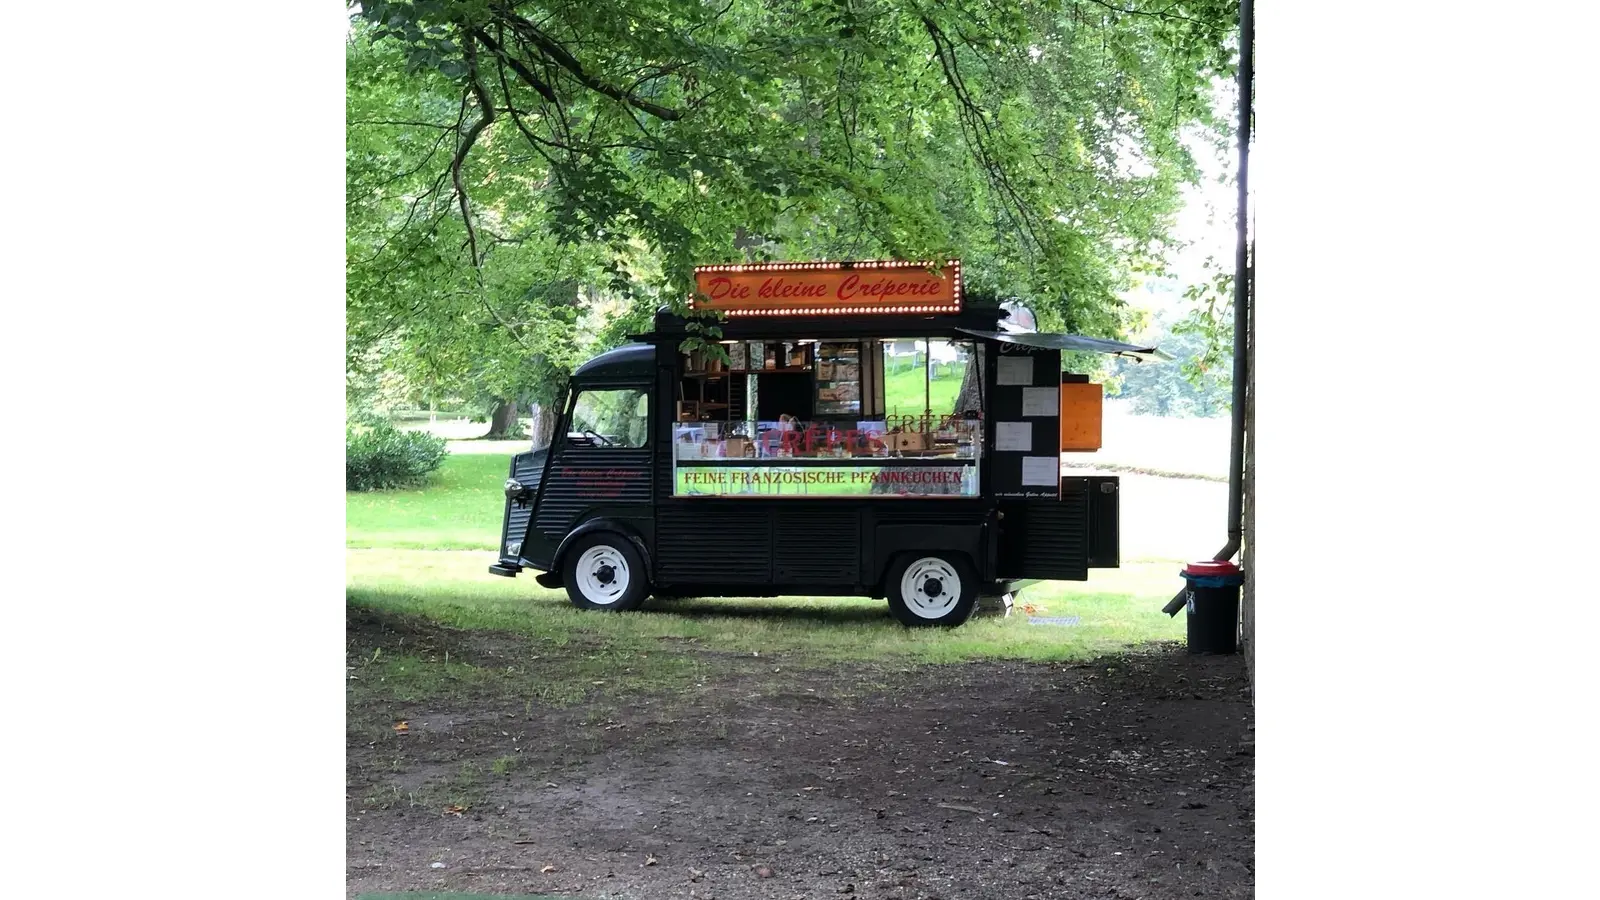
[881, 479]
[818, 460]
[828, 288]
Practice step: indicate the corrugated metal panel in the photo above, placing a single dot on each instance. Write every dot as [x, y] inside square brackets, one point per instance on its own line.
[579, 480]
[665, 472]
[820, 546]
[1057, 545]
[1045, 538]
[527, 468]
[706, 542]
[917, 511]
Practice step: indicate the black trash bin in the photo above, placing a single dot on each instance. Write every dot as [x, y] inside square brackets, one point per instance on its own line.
[1212, 599]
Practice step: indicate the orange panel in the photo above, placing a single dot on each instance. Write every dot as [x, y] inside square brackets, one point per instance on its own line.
[827, 288]
[1080, 416]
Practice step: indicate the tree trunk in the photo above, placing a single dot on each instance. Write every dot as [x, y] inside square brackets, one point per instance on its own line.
[544, 424]
[503, 422]
[970, 396]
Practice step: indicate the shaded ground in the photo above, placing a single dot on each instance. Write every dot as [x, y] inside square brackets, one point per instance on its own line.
[774, 777]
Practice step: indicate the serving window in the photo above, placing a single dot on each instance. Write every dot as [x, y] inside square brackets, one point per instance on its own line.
[830, 418]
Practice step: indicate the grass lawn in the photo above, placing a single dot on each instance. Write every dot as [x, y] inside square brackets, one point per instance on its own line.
[904, 393]
[459, 509]
[1117, 607]
[421, 556]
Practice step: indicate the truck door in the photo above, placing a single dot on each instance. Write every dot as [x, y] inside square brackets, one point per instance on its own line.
[600, 466]
[1063, 538]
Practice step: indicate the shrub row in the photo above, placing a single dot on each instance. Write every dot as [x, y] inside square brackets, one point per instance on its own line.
[378, 456]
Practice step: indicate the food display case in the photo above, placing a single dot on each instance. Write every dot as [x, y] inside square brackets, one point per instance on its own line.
[838, 379]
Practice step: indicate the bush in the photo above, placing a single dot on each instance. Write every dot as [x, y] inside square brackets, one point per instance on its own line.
[378, 456]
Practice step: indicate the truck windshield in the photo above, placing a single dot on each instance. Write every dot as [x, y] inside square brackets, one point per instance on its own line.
[610, 418]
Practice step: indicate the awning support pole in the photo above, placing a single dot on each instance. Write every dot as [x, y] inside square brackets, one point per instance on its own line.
[1241, 298]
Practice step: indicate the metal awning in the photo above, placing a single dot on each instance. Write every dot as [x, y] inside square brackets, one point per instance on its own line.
[1071, 342]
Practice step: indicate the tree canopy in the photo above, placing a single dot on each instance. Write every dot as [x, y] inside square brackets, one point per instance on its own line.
[1199, 385]
[527, 180]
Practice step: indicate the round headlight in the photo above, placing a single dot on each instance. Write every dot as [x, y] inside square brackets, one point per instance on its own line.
[513, 487]
[513, 548]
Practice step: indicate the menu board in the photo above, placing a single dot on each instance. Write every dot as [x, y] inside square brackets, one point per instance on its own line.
[1013, 436]
[1025, 412]
[1015, 370]
[1041, 471]
[1041, 401]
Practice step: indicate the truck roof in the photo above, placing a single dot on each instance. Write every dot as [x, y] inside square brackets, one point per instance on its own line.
[632, 361]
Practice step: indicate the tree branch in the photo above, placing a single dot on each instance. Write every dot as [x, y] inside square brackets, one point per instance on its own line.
[559, 55]
[975, 127]
[402, 122]
[438, 142]
[516, 65]
[1154, 14]
[470, 137]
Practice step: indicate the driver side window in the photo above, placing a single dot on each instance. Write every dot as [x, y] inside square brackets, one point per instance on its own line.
[612, 418]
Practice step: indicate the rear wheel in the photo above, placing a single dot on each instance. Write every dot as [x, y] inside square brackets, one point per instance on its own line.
[932, 588]
[604, 571]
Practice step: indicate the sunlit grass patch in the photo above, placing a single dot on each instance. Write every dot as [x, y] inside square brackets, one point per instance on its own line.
[460, 508]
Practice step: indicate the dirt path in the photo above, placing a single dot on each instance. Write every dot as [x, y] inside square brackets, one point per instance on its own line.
[1129, 777]
[1171, 518]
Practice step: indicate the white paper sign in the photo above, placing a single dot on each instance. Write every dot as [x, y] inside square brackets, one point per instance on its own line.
[1041, 470]
[1015, 370]
[1040, 401]
[1015, 436]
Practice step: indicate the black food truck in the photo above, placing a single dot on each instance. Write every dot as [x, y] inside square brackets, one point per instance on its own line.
[867, 434]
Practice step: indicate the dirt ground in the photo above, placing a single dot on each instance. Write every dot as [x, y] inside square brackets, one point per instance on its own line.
[1129, 777]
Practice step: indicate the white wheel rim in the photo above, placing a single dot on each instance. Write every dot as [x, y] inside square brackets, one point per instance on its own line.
[931, 588]
[603, 574]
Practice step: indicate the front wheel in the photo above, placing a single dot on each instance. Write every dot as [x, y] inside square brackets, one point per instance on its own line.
[932, 589]
[604, 572]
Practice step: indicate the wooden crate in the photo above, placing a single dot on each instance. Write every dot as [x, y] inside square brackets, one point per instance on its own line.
[910, 441]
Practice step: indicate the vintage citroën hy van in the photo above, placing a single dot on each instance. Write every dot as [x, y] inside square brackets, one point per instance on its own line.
[868, 434]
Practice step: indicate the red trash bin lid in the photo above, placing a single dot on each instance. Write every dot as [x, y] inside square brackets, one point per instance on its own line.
[1211, 567]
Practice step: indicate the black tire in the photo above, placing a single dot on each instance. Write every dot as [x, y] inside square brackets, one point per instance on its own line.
[933, 601]
[595, 564]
